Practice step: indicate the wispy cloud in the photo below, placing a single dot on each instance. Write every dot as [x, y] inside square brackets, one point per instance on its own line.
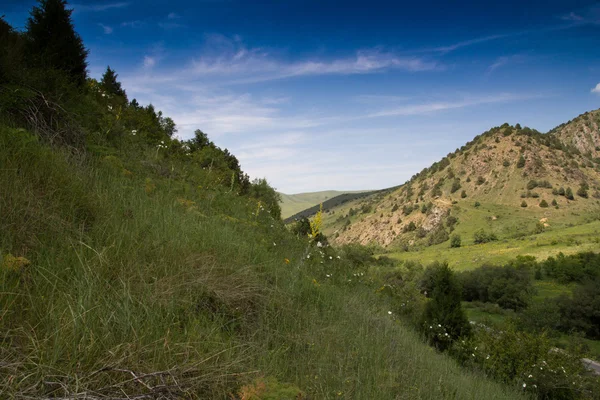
[506, 60]
[596, 89]
[98, 7]
[107, 29]
[173, 15]
[471, 42]
[430, 107]
[149, 61]
[229, 57]
[132, 24]
[588, 15]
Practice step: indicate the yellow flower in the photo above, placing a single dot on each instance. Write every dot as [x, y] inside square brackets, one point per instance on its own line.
[13, 263]
[286, 260]
[314, 281]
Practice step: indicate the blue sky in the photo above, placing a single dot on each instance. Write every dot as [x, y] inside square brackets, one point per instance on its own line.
[317, 95]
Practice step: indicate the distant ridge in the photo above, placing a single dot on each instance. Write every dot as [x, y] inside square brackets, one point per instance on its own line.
[334, 202]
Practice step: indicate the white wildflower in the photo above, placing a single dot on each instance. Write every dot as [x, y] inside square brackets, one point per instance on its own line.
[389, 313]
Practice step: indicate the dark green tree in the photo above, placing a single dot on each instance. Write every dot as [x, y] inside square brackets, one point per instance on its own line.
[443, 320]
[521, 162]
[583, 190]
[111, 85]
[53, 42]
[569, 194]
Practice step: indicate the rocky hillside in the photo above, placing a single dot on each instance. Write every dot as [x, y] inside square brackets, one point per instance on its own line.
[527, 177]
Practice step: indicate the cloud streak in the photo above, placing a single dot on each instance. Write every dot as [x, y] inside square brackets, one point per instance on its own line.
[231, 58]
[596, 89]
[98, 7]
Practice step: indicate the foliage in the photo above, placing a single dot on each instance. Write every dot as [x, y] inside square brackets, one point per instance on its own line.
[521, 162]
[455, 241]
[578, 267]
[481, 236]
[508, 286]
[443, 310]
[52, 42]
[581, 312]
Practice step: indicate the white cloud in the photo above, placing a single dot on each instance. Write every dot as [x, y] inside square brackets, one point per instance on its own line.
[430, 107]
[97, 7]
[149, 61]
[506, 60]
[173, 15]
[107, 29]
[132, 24]
[596, 89]
[229, 57]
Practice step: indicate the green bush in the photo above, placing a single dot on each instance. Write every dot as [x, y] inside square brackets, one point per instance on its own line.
[481, 236]
[543, 204]
[463, 194]
[455, 241]
[443, 320]
[523, 204]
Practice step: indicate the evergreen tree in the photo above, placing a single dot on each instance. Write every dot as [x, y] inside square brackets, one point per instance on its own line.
[110, 84]
[53, 42]
[569, 194]
[443, 320]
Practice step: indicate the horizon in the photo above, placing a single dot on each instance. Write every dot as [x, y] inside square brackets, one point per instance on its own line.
[314, 96]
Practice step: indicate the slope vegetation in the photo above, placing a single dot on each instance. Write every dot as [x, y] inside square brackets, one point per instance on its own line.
[509, 181]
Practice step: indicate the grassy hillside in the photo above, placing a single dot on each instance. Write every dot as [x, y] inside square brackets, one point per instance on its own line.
[510, 181]
[135, 283]
[294, 203]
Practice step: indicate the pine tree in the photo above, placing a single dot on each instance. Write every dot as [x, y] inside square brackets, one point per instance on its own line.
[444, 320]
[53, 42]
[110, 84]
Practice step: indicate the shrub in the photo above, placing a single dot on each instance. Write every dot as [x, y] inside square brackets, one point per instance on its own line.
[455, 241]
[455, 186]
[521, 162]
[481, 236]
[410, 227]
[463, 194]
[506, 163]
[569, 194]
[554, 202]
[523, 204]
[543, 204]
[583, 190]
[477, 204]
[480, 180]
[561, 191]
[444, 311]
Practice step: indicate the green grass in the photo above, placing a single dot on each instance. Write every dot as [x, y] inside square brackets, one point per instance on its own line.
[134, 271]
[567, 240]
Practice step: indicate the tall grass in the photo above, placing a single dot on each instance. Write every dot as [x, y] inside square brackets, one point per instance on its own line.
[141, 285]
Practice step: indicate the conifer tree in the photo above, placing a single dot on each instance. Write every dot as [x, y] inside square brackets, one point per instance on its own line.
[111, 85]
[53, 42]
[444, 320]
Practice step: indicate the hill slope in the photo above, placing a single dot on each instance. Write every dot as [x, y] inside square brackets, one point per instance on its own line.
[294, 203]
[522, 178]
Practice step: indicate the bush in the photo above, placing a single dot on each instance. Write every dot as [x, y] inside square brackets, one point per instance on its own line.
[455, 186]
[523, 204]
[554, 202]
[569, 194]
[443, 320]
[581, 312]
[477, 204]
[455, 241]
[481, 236]
[543, 204]
[410, 227]
[463, 194]
[480, 180]
[583, 190]
[508, 286]
[521, 162]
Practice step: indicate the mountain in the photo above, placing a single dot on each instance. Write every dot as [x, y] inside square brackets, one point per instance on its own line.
[294, 203]
[507, 181]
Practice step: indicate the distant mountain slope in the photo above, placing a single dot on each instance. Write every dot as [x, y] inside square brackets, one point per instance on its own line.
[508, 181]
[294, 203]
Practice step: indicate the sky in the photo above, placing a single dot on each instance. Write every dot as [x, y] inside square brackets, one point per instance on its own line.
[323, 95]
